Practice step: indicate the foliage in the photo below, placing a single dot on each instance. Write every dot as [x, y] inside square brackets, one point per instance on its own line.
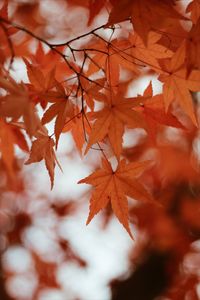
[80, 79]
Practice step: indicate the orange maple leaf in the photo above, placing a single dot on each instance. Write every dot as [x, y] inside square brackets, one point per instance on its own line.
[145, 15]
[115, 186]
[177, 85]
[42, 148]
[150, 53]
[17, 104]
[61, 108]
[10, 136]
[40, 83]
[91, 91]
[109, 58]
[78, 128]
[153, 111]
[111, 121]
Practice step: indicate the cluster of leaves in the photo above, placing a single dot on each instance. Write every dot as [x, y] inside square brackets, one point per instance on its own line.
[82, 89]
[80, 83]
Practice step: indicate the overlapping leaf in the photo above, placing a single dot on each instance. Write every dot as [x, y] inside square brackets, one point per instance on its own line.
[145, 15]
[110, 58]
[153, 111]
[43, 148]
[112, 119]
[17, 104]
[61, 109]
[177, 85]
[79, 127]
[150, 53]
[9, 137]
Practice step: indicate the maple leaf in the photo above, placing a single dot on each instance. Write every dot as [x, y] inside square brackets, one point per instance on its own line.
[42, 148]
[177, 85]
[62, 108]
[110, 58]
[115, 186]
[40, 83]
[150, 53]
[10, 136]
[145, 15]
[48, 61]
[36, 77]
[78, 128]
[111, 121]
[154, 113]
[91, 91]
[17, 104]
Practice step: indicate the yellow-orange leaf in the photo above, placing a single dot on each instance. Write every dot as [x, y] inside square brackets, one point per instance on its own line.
[115, 186]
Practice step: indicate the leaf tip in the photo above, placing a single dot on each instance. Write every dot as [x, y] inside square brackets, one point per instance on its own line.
[89, 219]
